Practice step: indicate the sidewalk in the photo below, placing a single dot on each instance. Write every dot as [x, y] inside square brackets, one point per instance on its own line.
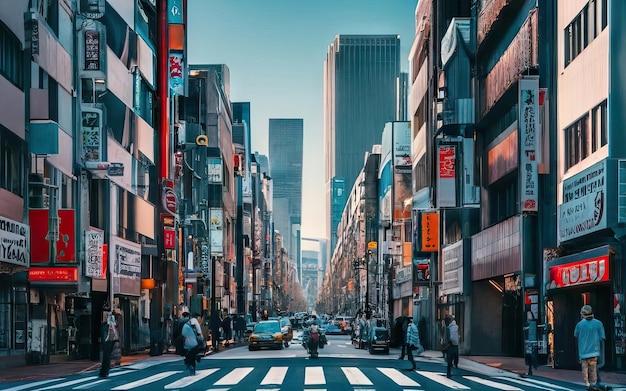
[12, 368]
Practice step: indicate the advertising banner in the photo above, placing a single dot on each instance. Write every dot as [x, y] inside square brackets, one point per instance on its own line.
[216, 232]
[528, 133]
[584, 203]
[91, 134]
[94, 261]
[40, 231]
[126, 260]
[14, 242]
[177, 82]
[446, 175]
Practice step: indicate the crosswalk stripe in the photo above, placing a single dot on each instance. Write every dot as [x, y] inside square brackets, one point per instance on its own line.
[276, 375]
[29, 385]
[188, 380]
[493, 384]
[314, 375]
[147, 380]
[89, 385]
[443, 380]
[399, 378]
[541, 383]
[234, 376]
[68, 383]
[356, 377]
[527, 384]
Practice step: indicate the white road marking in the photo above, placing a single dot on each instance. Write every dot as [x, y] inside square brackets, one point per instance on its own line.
[147, 380]
[541, 383]
[68, 383]
[443, 380]
[234, 376]
[92, 384]
[398, 377]
[356, 377]
[492, 384]
[188, 380]
[276, 375]
[29, 385]
[527, 384]
[314, 375]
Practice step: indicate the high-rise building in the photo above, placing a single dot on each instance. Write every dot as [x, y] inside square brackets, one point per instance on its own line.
[360, 79]
[285, 147]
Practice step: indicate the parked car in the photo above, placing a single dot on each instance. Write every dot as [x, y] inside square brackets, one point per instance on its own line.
[378, 339]
[266, 333]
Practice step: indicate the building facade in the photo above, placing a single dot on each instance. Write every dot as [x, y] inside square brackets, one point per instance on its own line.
[361, 73]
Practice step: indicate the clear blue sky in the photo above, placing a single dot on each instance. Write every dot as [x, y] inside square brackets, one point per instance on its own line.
[275, 50]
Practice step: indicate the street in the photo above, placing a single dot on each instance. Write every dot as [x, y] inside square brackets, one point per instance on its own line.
[339, 367]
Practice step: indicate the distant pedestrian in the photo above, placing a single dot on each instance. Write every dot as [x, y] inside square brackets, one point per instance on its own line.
[241, 327]
[405, 324]
[191, 332]
[590, 338]
[109, 336]
[412, 341]
[216, 326]
[451, 337]
[227, 328]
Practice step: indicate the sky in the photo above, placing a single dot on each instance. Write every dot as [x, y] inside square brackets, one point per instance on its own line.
[275, 50]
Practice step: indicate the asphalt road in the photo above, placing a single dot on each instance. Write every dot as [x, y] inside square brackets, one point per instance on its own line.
[339, 367]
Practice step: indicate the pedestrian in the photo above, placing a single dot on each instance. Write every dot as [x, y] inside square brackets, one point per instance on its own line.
[590, 338]
[192, 345]
[241, 326]
[405, 324]
[451, 337]
[228, 331]
[216, 325]
[109, 336]
[412, 340]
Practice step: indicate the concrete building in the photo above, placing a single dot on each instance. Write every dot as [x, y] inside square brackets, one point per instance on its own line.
[285, 155]
[361, 73]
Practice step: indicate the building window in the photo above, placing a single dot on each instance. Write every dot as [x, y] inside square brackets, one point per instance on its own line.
[584, 28]
[586, 135]
[12, 163]
[11, 57]
[503, 199]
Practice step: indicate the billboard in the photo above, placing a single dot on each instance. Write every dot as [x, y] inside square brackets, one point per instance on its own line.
[528, 133]
[446, 175]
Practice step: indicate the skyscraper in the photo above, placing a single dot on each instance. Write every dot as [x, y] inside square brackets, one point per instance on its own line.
[360, 78]
[285, 147]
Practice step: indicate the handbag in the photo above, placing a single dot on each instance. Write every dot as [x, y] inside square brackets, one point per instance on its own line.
[445, 347]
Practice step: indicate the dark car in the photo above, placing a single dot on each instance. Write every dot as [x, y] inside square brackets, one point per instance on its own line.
[332, 329]
[266, 333]
[378, 339]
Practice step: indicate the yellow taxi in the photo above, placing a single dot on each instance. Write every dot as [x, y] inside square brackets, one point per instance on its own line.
[266, 333]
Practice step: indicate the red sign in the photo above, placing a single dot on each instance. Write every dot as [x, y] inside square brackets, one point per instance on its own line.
[170, 200]
[169, 238]
[40, 246]
[53, 274]
[447, 160]
[587, 271]
[105, 259]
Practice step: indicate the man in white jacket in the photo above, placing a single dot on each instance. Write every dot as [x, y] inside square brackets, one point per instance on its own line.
[451, 336]
[412, 341]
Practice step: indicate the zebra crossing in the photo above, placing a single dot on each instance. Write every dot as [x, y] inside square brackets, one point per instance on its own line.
[316, 378]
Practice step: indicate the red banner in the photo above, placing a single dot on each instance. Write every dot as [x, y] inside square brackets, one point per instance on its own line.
[53, 274]
[40, 246]
[587, 271]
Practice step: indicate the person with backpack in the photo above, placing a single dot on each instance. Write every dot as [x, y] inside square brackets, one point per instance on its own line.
[177, 338]
[192, 346]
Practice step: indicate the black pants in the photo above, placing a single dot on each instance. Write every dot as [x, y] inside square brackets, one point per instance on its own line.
[403, 350]
[105, 366]
[409, 353]
[452, 357]
[190, 357]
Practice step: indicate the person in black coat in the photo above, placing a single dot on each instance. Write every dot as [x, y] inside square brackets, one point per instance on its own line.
[228, 331]
[216, 325]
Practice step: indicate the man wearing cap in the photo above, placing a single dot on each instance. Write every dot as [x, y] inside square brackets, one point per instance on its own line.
[590, 337]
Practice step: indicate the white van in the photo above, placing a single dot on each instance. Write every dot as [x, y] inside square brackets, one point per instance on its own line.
[344, 322]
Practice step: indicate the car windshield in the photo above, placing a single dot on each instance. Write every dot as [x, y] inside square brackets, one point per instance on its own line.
[285, 322]
[267, 327]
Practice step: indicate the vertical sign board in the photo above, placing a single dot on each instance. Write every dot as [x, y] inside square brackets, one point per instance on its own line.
[94, 260]
[528, 133]
[446, 175]
[216, 231]
[430, 232]
[91, 134]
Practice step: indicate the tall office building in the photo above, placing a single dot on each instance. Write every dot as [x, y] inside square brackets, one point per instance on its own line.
[285, 147]
[360, 79]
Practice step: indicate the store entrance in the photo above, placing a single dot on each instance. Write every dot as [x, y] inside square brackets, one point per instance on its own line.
[567, 306]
